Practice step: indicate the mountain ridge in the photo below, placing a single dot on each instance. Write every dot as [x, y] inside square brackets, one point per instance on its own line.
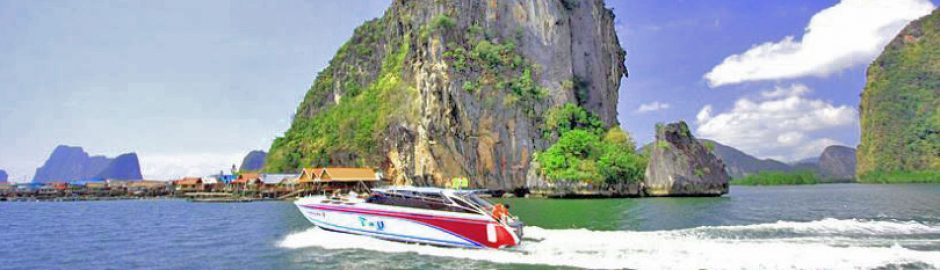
[835, 164]
[72, 163]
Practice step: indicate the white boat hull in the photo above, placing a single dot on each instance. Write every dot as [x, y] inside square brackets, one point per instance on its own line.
[407, 225]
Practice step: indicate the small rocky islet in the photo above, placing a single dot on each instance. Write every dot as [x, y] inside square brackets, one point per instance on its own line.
[680, 165]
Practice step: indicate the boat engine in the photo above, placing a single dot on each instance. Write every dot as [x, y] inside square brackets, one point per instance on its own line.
[516, 226]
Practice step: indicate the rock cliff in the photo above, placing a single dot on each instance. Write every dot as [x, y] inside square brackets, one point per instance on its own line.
[900, 107]
[837, 164]
[68, 163]
[445, 88]
[680, 165]
[253, 161]
[123, 167]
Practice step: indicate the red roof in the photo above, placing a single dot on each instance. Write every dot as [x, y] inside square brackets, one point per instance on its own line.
[246, 177]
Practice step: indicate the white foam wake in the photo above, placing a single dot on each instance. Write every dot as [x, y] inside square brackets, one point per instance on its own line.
[831, 226]
[676, 249]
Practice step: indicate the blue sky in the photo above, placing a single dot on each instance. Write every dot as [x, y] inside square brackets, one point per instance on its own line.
[192, 86]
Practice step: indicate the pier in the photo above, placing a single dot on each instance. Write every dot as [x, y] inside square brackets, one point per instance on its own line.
[240, 187]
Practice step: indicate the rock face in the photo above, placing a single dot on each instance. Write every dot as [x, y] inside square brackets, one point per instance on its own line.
[3, 176]
[900, 107]
[69, 163]
[739, 164]
[124, 167]
[253, 161]
[680, 165]
[436, 89]
[837, 164]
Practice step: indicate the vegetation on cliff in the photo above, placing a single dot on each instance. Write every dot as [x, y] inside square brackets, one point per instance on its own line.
[349, 126]
[491, 65]
[900, 108]
[773, 178]
[587, 152]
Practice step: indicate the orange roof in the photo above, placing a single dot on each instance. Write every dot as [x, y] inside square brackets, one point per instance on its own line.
[189, 181]
[336, 174]
[310, 175]
[245, 177]
[348, 174]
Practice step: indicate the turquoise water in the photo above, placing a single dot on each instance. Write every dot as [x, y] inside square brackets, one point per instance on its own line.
[824, 226]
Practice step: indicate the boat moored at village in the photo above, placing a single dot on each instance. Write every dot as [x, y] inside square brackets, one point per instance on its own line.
[434, 216]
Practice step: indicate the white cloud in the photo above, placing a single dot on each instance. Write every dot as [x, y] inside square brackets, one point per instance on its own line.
[850, 33]
[174, 166]
[704, 114]
[652, 106]
[780, 91]
[780, 123]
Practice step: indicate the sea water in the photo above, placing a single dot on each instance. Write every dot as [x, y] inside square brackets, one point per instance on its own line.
[846, 226]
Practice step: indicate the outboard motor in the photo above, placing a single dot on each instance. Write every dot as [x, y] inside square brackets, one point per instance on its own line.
[516, 226]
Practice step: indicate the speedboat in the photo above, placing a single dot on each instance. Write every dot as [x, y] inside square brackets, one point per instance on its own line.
[434, 216]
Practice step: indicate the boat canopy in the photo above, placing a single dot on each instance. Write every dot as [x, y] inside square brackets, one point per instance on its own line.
[428, 190]
[464, 201]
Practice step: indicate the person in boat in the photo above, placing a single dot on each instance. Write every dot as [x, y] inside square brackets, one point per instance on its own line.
[500, 211]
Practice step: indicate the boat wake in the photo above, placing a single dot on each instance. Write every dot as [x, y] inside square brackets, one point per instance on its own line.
[827, 243]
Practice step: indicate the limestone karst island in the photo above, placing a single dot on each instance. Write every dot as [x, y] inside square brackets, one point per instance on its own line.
[459, 134]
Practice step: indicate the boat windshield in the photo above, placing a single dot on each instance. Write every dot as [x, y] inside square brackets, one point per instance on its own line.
[420, 200]
[473, 198]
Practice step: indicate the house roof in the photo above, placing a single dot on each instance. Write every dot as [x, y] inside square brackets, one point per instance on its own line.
[146, 184]
[245, 177]
[337, 174]
[210, 180]
[96, 184]
[347, 175]
[277, 178]
[310, 175]
[189, 181]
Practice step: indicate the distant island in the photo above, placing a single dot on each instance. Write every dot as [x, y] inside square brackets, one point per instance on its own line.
[835, 164]
[72, 163]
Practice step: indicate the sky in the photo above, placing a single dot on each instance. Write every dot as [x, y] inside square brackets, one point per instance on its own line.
[193, 86]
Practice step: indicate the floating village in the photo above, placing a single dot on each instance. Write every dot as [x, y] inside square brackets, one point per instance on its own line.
[234, 187]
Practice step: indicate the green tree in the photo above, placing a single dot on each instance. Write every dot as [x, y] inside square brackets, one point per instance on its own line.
[777, 178]
[572, 158]
[619, 162]
[581, 155]
[616, 136]
[569, 117]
